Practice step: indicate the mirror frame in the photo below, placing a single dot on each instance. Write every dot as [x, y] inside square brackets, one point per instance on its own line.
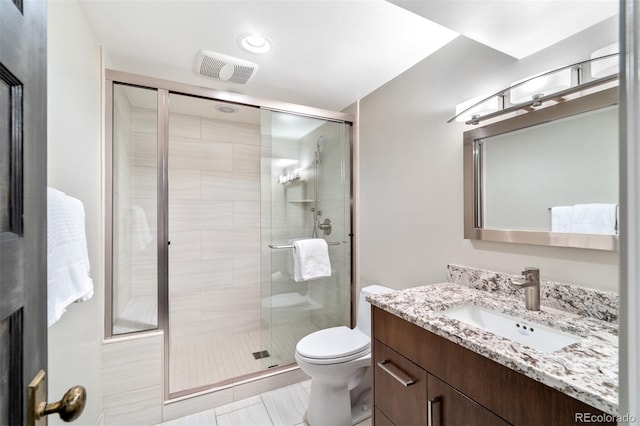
[472, 177]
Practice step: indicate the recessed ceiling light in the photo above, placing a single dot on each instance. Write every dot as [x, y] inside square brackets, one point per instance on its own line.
[255, 43]
[227, 109]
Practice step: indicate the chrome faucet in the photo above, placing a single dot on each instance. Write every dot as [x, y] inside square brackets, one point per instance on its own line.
[531, 286]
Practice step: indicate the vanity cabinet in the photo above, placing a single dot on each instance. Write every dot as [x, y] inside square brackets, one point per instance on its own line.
[421, 378]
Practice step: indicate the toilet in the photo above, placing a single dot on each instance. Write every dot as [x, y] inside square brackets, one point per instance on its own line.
[338, 361]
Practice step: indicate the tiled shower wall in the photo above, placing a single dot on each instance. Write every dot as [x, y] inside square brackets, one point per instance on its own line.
[214, 228]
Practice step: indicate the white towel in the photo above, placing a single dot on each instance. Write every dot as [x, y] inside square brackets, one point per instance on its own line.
[68, 267]
[311, 259]
[597, 218]
[561, 217]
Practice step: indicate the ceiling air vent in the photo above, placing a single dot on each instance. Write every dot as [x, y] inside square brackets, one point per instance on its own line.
[225, 68]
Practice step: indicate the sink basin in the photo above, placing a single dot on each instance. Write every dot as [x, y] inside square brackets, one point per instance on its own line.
[536, 336]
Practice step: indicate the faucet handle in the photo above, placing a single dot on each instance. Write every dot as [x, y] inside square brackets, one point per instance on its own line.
[531, 270]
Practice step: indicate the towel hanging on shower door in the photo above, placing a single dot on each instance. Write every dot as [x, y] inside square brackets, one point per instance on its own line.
[311, 259]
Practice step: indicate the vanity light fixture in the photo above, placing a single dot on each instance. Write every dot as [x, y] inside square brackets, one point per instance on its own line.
[609, 65]
[255, 43]
[546, 88]
[537, 87]
[473, 108]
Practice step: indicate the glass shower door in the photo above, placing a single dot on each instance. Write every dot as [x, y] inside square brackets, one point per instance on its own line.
[306, 193]
[135, 203]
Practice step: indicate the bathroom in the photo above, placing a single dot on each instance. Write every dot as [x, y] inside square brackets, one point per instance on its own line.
[408, 198]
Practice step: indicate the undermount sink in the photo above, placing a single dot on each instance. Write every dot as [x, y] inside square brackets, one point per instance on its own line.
[536, 336]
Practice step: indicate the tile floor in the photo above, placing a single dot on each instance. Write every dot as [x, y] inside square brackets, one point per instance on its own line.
[281, 407]
[215, 359]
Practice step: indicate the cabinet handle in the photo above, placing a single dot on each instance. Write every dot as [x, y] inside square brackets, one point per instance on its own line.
[430, 404]
[396, 373]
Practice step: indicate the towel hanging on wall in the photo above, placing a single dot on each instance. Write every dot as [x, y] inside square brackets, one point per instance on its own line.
[310, 259]
[68, 268]
[561, 218]
[595, 218]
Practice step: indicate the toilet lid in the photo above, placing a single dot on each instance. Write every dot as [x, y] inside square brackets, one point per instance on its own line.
[335, 342]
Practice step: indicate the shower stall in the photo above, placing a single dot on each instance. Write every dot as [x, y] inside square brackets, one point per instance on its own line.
[207, 196]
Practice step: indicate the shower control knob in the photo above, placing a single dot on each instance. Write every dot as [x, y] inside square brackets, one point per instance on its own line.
[325, 226]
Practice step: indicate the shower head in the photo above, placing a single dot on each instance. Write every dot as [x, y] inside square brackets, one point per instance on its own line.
[321, 140]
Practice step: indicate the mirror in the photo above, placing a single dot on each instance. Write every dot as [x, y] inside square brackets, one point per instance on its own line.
[547, 177]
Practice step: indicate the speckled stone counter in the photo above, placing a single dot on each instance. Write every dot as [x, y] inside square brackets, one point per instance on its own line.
[587, 371]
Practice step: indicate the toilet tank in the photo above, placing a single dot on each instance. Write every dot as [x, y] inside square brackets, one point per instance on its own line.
[363, 321]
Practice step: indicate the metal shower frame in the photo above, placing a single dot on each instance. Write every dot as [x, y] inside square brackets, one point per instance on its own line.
[164, 88]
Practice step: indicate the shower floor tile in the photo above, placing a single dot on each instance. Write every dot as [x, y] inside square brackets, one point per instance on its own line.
[213, 360]
[217, 359]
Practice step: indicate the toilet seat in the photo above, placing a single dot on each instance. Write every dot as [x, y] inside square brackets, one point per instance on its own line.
[333, 345]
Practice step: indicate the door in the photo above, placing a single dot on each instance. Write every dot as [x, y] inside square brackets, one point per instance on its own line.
[305, 193]
[23, 147]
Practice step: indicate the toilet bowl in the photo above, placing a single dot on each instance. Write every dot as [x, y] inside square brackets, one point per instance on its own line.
[338, 360]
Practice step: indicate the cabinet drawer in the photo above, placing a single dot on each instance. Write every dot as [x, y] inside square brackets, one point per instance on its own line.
[400, 388]
[448, 407]
[406, 338]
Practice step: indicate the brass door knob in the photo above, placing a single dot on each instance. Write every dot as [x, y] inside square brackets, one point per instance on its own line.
[69, 407]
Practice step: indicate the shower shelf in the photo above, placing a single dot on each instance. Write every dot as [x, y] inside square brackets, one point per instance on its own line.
[299, 201]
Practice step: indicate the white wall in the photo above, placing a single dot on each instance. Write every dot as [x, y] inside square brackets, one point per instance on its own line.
[74, 141]
[410, 183]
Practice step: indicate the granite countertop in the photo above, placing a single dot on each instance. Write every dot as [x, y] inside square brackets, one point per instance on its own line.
[587, 371]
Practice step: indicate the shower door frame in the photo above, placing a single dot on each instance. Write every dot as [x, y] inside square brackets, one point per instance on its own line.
[164, 89]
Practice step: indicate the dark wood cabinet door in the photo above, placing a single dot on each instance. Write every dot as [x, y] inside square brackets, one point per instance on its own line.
[23, 243]
[448, 407]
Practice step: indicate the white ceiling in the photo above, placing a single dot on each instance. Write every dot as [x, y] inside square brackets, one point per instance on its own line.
[518, 28]
[327, 54]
